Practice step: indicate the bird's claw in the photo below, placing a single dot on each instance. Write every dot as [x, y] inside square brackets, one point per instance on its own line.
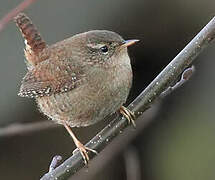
[83, 150]
[128, 114]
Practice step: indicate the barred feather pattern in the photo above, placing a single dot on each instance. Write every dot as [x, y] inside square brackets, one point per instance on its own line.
[33, 40]
[50, 77]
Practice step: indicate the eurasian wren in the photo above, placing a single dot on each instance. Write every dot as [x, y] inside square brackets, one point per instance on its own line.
[78, 81]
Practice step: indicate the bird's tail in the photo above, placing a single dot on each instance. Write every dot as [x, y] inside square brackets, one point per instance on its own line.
[33, 40]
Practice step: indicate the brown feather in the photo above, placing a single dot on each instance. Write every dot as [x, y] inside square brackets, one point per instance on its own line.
[51, 77]
[33, 40]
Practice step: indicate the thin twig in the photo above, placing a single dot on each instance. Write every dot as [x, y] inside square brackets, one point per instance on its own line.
[186, 75]
[21, 129]
[9, 16]
[141, 103]
[54, 163]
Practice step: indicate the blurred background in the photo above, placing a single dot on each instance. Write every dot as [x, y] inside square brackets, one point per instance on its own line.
[177, 144]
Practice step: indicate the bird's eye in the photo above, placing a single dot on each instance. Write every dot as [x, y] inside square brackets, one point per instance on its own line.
[104, 49]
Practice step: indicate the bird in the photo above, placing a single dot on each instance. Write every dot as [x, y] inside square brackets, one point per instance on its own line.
[78, 81]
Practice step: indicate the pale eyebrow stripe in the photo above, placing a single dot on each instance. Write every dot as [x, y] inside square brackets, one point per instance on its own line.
[95, 46]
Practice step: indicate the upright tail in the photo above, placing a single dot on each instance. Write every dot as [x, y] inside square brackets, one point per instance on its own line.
[33, 40]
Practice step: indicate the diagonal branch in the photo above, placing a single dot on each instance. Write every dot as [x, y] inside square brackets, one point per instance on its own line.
[141, 103]
[117, 146]
[8, 17]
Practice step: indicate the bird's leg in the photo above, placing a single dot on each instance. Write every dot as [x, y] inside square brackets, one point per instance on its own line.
[83, 149]
[128, 114]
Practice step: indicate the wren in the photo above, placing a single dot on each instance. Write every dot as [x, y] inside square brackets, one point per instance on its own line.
[78, 81]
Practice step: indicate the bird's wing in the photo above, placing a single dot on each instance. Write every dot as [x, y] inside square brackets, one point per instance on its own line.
[51, 77]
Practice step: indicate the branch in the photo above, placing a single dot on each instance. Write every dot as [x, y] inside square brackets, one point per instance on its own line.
[8, 17]
[54, 163]
[141, 103]
[184, 78]
[117, 146]
[24, 128]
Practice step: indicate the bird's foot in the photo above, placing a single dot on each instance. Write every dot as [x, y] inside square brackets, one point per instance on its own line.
[128, 114]
[83, 150]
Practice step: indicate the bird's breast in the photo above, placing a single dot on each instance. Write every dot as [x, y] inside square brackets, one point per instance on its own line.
[103, 92]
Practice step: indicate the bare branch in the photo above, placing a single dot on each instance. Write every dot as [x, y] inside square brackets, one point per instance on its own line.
[186, 75]
[8, 17]
[54, 163]
[117, 146]
[141, 103]
[20, 129]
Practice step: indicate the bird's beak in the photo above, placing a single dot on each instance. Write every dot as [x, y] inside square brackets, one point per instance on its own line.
[129, 42]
